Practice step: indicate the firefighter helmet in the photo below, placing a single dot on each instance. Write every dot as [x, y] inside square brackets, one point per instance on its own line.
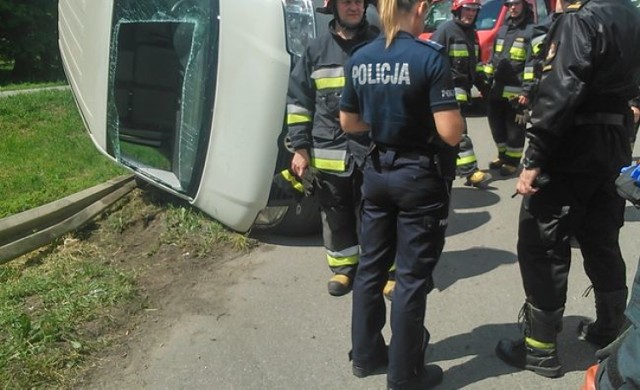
[329, 7]
[457, 4]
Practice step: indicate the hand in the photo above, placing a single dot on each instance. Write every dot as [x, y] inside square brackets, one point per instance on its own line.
[636, 114]
[523, 100]
[300, 162]
[525, 181]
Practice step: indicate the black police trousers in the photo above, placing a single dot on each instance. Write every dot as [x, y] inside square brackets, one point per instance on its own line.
[581, 205]
[404, 218]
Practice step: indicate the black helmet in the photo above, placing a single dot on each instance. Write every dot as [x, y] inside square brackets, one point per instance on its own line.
[329, 7]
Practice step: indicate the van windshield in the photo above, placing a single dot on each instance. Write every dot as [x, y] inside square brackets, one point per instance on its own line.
[440, 12]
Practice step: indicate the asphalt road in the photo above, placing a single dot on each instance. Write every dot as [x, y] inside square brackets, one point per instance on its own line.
[279, 329]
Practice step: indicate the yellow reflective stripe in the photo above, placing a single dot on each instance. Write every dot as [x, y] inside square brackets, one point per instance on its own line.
[461, 95]
[328, 165]
[480, 68]
[518, 53]
[458, 50]
[499, 47]
[509, 92]
[528, 73]
[342, 261]
[330, 82]
[345, 257]
[393, 268]
[538, 344]
[513, 153]
[294, 119]
[501, 147]
[329, 159]
[488, 69]
[464, 160]
[292, 180]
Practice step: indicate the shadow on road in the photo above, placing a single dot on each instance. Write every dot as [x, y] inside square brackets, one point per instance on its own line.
[268, 238]
[457, 265]
[479, 345]
[471, 198]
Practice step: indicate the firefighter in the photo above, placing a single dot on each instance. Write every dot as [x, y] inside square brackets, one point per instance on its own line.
[400, 88]
[319, 144]
[460, 40]
[579, 140]
[511, 68]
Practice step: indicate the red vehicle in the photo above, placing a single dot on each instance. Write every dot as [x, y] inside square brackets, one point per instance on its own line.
[490, 18]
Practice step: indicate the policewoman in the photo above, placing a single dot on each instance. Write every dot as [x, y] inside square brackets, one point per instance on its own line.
[400, 89]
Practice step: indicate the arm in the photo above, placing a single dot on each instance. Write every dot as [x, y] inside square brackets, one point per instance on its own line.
[450, 125]
[300, 110]
[352, 122]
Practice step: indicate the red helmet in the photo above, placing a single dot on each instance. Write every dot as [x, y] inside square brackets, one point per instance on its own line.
[457, 4]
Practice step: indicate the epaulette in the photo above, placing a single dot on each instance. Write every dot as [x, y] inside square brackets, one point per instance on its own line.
[432, 44]
[573, 7]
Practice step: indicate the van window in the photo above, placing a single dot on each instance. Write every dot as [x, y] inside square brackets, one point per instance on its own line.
[440, 12]
[541, 5]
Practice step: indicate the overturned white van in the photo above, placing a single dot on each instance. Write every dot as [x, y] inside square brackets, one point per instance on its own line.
[190, 95]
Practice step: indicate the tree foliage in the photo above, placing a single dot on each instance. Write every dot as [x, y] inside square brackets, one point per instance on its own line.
[29, 39]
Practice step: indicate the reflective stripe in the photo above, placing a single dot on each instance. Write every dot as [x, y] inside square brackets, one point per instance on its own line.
[514, 152]
[488, 69]
[458, 50]
[538, 344]
[480, 67]
[528, 73]
[461, 95]
[499, 45]
[292, 180]
[345, 257]
[464, 160]
[297, 114]
[329, 159]
[509, 92]
[518, 51]
[294, 119]
[502, 147]
[326, 78]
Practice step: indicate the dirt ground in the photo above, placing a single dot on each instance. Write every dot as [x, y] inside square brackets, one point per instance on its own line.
[166, 274]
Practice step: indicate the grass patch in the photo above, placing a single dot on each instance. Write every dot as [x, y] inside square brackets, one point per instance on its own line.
[45, 153]
[23, 86]
[44, 298]
[62, 304]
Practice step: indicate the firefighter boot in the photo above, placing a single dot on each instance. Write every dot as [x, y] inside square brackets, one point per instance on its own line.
[477, 178]
[339, 285]
[610, 308]
[496, 164]
[536, 351]
[508, 169]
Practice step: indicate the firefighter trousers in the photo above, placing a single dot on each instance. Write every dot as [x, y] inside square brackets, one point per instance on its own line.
[404, 215]
[508, 136]
[581, 205]
[339, 199]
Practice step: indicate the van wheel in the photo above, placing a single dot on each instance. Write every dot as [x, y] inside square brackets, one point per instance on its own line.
[301, 219]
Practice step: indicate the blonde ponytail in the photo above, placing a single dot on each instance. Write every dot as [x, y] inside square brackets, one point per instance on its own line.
[388, 12]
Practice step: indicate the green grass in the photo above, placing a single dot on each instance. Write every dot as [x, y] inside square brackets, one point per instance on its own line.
[42, 307]
[45, 153]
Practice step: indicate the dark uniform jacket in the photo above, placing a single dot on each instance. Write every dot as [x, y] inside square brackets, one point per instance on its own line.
[313, 100]
[591, 70]
[461, 45]
[512, 64]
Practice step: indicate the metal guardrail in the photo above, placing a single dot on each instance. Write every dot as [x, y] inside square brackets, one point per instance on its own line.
[24, 232]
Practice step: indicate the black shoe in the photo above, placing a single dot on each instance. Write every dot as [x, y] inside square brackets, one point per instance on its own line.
[496, 164]
[587, 331]
[430, 377]
[378, 368]
[518, 354]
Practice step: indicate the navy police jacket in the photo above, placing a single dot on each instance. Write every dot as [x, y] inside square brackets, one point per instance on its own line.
[396, 90]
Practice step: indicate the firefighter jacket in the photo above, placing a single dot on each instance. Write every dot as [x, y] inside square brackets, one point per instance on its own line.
[581, 114]
[460, 42]
[313, 103]
[512, 63]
